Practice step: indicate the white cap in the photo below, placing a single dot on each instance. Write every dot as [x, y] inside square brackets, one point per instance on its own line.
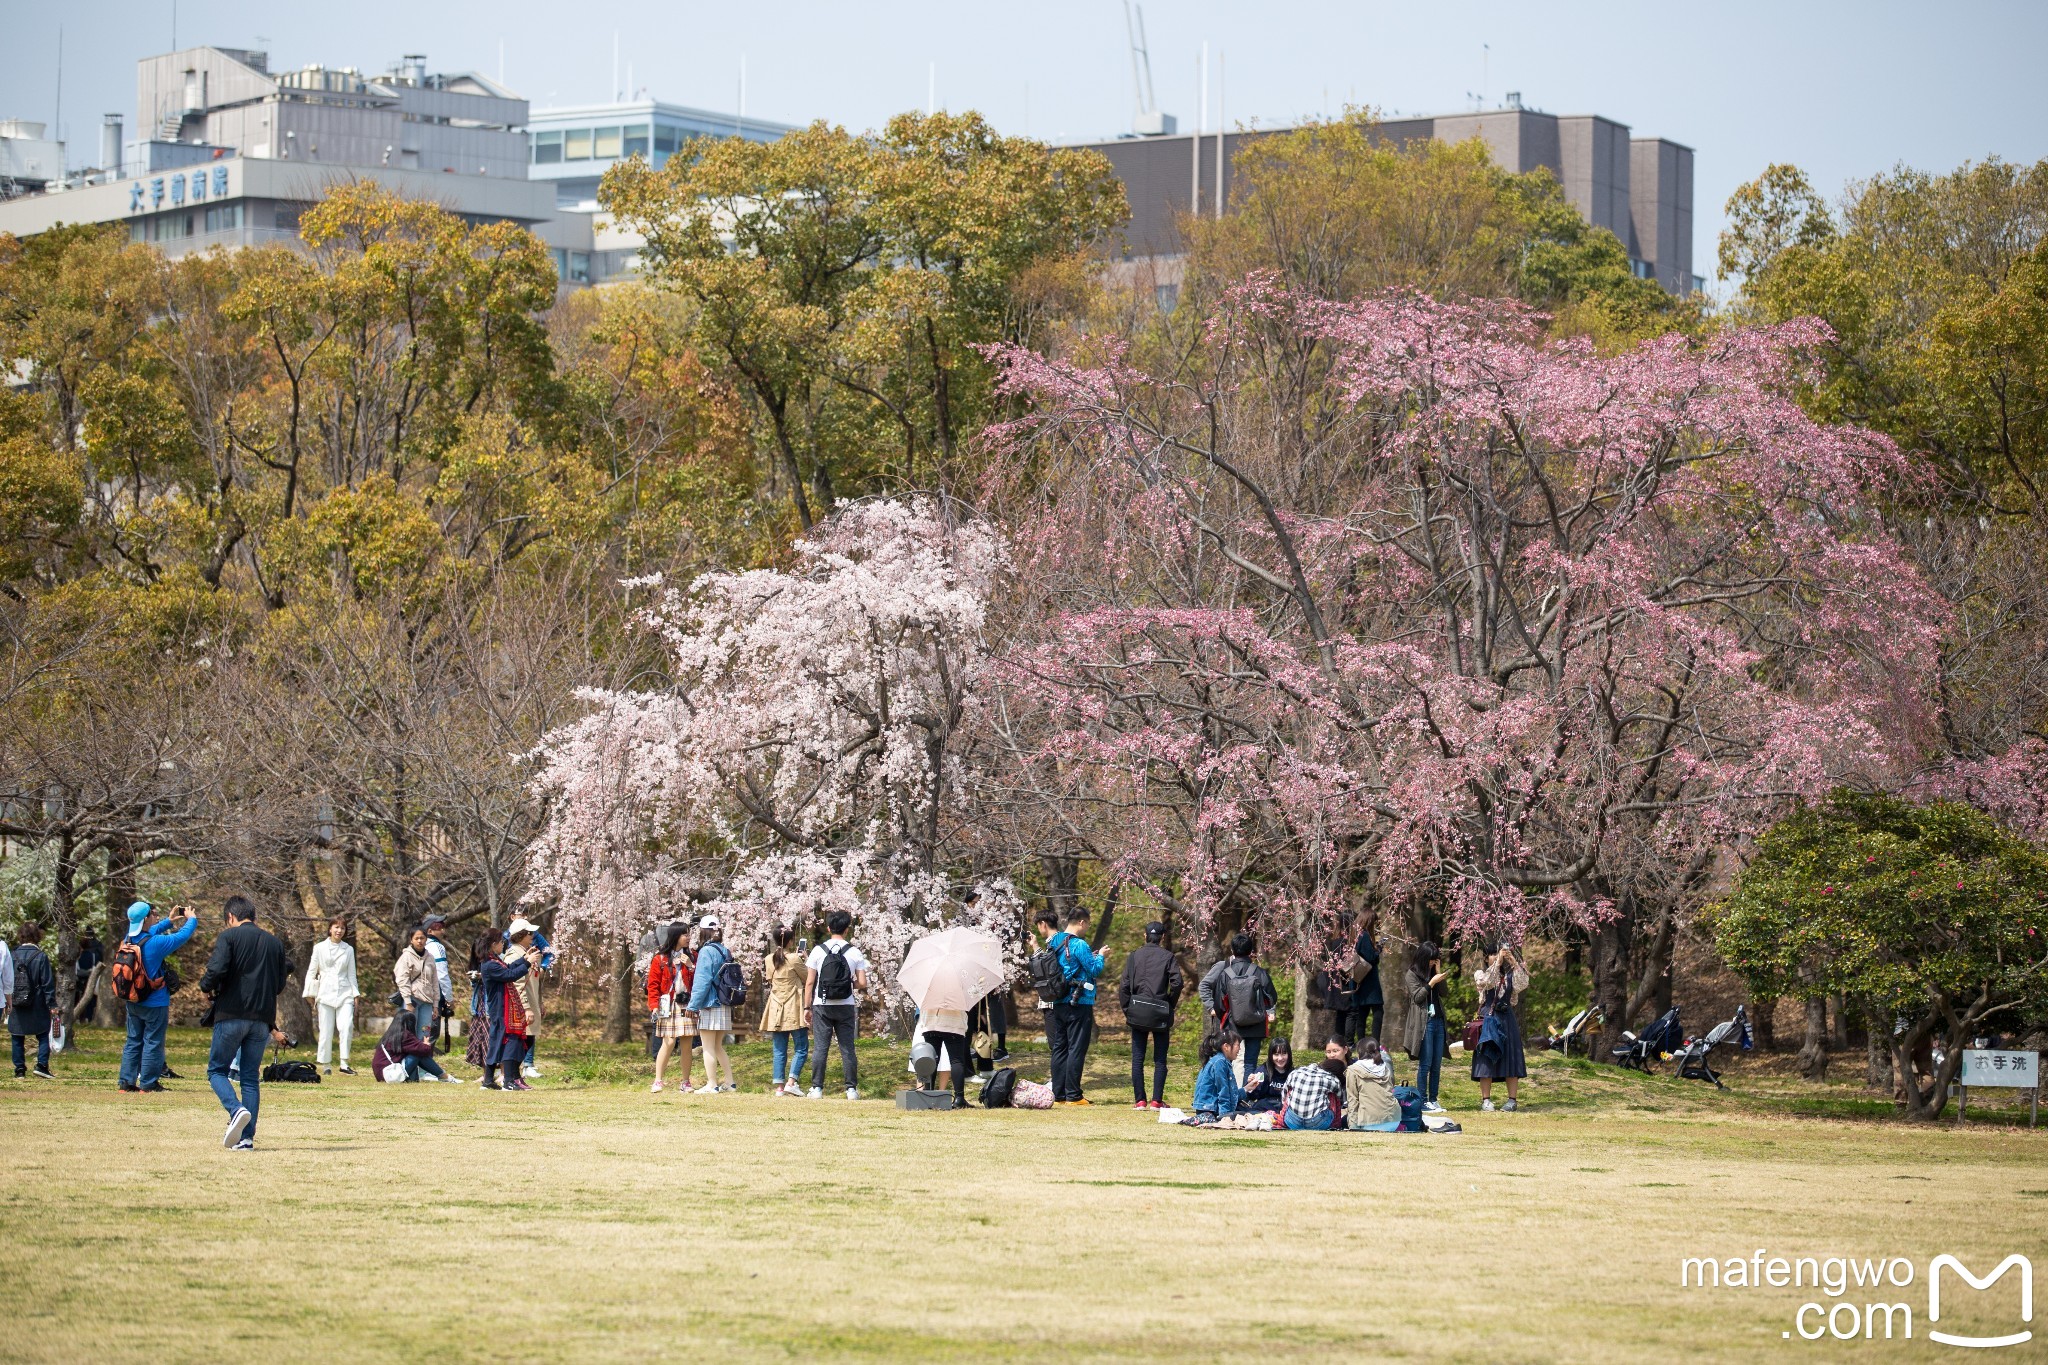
[709, 922]
[520, 926]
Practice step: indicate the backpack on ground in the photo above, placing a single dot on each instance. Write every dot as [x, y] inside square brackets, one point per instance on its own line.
[1242, 990]
[296, 1073]
[132, 981]
[1410, 1100]
[835, 978]
[729, 984]
[996, 1092]
[1048, 968]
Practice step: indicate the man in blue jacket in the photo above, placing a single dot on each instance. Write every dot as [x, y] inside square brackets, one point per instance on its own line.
[1072, 1026]
[142, 1057]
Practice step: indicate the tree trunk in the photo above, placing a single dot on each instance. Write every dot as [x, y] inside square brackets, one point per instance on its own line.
[121, 893]
[1838, 1032]
[1877, 1062]
[1813, 1055]
[1763, 1013]
[618, 1018]
[294, 929]
[64, 912]
[1298, 1030]
[1610, 973]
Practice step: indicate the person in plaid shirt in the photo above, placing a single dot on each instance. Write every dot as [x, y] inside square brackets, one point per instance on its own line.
[1313, 1095]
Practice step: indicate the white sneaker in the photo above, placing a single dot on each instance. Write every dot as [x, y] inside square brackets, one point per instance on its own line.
[1486, 1105]
[814, 1093]
[654, 1089]
[529, 1072]
[727, 1088]
[852, 1093]
[452, 1080]
[237, 1125]
[1432, 1107]
[707, 1089]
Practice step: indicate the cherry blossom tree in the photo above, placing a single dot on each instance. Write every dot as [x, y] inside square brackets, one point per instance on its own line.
[1398, 594]
[808, 752]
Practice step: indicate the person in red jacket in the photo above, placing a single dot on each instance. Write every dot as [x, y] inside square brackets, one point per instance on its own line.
[670, 976]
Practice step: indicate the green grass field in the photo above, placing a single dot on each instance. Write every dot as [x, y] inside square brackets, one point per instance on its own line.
[591, 1220]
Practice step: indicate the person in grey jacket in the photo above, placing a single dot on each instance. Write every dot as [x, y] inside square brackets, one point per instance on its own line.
[1148, 995]
[34, 1001]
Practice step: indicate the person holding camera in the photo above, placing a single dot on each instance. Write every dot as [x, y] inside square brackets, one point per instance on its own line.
[1428, 1034]
[243, 978]
[142, 977]
[504, 967]
[331, 986]
[1499, 1056]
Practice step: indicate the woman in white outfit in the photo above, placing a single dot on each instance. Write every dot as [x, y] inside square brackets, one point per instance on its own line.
[331, 986]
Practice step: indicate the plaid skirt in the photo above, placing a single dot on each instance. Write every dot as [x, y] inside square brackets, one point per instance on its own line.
[715, 1020]
[677, 1025]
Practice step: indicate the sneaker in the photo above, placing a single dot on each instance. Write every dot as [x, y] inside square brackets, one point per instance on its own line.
[452, 1080]
[1083, 1099]
[852, 1093]
[529, 1072]
[20, 1074]
[489, 1085]
[246, 1145]
[727, 1088]
[1432, 1107]
[1447, 1126]
[129, 1087]
[707, 1089]
[517, 1085]
[237, 1125]
[168, 1075]
[155, 1088]
[1142, 1104]
[1510, 1106]
[1486, 1106]
[1155, 1104]
[327, 1070]
[347, 1070]
[814, 1093]
[1000, 1058]
[42, 1073]
[654, 1089]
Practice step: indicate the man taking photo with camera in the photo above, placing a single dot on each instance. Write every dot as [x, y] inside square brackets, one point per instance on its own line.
[243, 977]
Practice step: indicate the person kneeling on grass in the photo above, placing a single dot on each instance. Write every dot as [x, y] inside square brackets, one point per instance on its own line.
[1369, 1101]
[1216, 1089]
[402, 1054]
[1312, 1096]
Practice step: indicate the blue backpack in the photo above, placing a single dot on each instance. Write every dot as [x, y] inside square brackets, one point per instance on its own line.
[729, 983]
[1410, 1100]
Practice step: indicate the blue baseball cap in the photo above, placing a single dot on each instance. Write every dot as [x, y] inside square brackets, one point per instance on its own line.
[137, 913]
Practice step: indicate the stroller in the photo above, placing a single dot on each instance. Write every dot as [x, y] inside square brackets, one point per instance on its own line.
[1692, 1058]
[1587, 1020]
[1642, 1051]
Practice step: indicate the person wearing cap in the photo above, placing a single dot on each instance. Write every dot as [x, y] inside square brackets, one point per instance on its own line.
[1148, 995]
[437, 950]
[142, 1056]
[714, 1020]
[499, 979]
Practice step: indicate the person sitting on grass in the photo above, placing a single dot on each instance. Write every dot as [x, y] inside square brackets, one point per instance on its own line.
[1216, 1089]
[403, 1047]
[1262, 1089]
[1369, 1102]
[1313, 1095]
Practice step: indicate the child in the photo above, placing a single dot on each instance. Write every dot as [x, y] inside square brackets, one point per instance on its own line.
[1216, 1090]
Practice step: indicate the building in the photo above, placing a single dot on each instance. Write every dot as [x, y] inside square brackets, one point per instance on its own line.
[28, 160]
[229, 153]
[1639, 188]
[574, 145]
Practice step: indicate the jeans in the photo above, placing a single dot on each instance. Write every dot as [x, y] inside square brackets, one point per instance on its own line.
[1072, 1028]
[335, 1019]
[427, 1016]
[1429, 1063]
[415, 1065]
[1319, 1123]
[142, 1056]
[960, 1061]
[782, 1039]
[42, 1051]
[827, 1023]
[238, 1041]
[1158, 1037]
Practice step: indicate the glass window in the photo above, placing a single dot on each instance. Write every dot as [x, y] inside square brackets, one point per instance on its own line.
[607, 145]
[579, 267]
[547, 148]
[636, 140]
[576, 145]
[223, 217]
[667, 137]
[285, 218]
[171, 226]
[561, 263]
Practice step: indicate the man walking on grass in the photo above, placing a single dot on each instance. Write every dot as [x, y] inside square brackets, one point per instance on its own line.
[244, 976]
[1072, 1026]
[834, 975]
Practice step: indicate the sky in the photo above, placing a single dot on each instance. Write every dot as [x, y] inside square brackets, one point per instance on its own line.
[1842, 88]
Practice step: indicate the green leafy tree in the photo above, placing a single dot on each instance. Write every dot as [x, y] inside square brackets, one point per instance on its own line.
[1931, 913]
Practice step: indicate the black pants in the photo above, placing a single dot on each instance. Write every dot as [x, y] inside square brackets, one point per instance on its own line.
[1158, 1038]
[829, 1022]
[1073, 1027]
[958, 1060]
[1360, 1023]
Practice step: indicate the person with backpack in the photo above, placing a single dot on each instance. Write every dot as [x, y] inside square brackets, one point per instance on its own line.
[670, 978]
[782, 1012]
[1071, 973]
[331, 986]
[1148, 995]
[1428, 1033]
[1238, 992]
[720, 984]
[834, 974]
[141, 978]
[243, 976]
[1216, 1088]
[31, 1003]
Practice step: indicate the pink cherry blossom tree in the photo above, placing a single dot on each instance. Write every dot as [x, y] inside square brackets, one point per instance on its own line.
[1400, 595]
[807, 753]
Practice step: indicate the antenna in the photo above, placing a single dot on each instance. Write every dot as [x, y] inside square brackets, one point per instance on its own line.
[1146, 119]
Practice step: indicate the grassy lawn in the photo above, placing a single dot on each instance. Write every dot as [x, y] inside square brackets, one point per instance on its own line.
[591, 1220]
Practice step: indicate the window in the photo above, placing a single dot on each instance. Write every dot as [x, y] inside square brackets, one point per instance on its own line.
[607, 144]
[285, 218]
[576, 145]
[547, 148]
[561, 263]
[1166, 296]
[636, 140]
[170, 227]
[223, 217]
[579, 267]
[667, 137]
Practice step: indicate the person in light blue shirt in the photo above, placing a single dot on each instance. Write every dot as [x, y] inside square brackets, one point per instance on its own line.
[142, 1056]
[1216, 1092]
[1072, 1026]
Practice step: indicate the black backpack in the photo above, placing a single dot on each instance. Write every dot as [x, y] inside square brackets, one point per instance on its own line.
[1049, 971]
[729, 983]
[296, 1073]
[835, 978]
[1242, 990]
[995, 1094]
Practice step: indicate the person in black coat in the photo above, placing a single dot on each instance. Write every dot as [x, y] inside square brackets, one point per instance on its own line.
[1368, 1001]
[35, 998]
[1148, 995]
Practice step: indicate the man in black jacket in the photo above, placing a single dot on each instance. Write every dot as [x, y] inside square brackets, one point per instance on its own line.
[244, 976]
[1148, 995]
[35, 1001]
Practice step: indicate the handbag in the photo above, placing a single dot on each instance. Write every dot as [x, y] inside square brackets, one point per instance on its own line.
[984, 1045]
[1148, 1013]
[1472, 1035]
[1360, 969]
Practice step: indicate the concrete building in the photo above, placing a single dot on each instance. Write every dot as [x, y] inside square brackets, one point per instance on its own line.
[1639, 188]
[574, 145]
[28, 160]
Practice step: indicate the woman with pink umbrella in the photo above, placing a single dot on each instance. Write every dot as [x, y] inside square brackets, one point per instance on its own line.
[945, 974]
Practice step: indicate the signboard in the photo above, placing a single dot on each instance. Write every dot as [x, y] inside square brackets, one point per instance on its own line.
[1989, 1066]
[178, 188]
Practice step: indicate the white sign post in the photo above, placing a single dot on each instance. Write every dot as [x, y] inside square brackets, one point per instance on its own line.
[2004, 1070]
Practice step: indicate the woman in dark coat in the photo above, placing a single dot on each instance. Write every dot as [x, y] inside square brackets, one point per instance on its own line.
[1427, 1038]
[1499, 1055]
[35, 997]
[493, 976]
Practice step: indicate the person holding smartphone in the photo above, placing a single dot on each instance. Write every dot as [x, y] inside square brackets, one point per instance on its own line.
[1428, 1036]
[1499, 1056]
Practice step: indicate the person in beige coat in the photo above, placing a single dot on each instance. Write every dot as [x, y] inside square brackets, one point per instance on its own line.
[782, 1011]
[419, 981]
[1369, 1088]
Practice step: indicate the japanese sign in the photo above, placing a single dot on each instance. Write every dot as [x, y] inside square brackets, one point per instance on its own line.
[1988, 1066]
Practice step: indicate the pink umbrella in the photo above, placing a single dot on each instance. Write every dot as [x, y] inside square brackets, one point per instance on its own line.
[952, 969]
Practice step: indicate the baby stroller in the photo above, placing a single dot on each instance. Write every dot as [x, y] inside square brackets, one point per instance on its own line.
[1642, 1051]
[1692, 1058]
[1587, 1020]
